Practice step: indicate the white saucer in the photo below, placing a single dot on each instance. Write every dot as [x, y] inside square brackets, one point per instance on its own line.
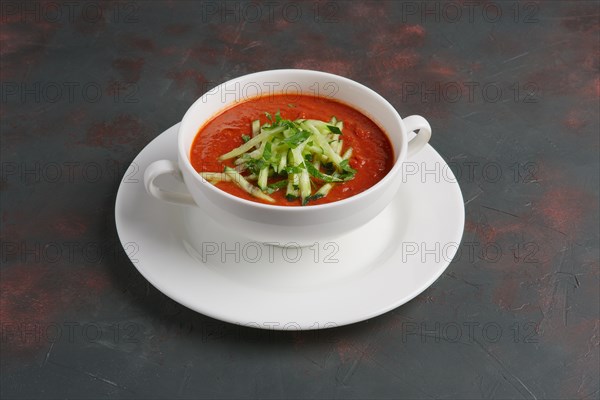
[356, 277]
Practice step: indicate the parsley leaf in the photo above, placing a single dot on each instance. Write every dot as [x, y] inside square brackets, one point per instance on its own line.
[334, 129]
[350, 172]
[297, 138]
[267, 152]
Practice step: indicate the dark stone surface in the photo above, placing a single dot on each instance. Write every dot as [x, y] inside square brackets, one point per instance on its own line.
[515, 93]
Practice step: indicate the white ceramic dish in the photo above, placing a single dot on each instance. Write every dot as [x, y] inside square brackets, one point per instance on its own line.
[269, 223]
[209, 268]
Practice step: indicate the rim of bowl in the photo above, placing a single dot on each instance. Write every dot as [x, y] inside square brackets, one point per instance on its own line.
[338, 203]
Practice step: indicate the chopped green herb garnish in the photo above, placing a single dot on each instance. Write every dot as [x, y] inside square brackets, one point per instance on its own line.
[334, 129]
[294, 140]
[346, 167]
[267, 152]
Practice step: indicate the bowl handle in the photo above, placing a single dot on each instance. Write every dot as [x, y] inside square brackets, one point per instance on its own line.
[417, 143]
[162, 167]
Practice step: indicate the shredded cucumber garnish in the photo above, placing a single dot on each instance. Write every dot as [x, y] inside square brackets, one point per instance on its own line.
[322, 192]
[293, 155]
[247, 186]
[255, 127]
[214, 177]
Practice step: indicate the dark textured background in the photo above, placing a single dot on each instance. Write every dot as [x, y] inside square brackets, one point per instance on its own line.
[514, 316]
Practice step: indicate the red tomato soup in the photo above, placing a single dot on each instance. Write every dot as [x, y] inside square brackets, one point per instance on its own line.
[372, 158]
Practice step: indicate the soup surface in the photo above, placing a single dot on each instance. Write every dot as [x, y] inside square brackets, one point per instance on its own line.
[372, 155]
